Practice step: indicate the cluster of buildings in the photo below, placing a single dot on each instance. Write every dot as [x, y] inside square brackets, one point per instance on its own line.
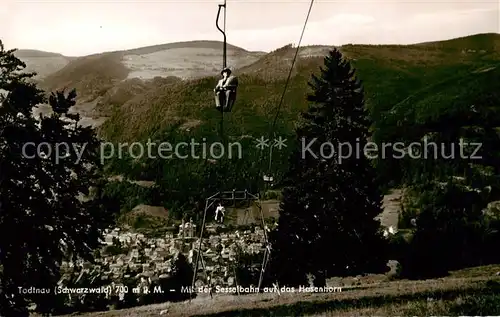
[128, 255]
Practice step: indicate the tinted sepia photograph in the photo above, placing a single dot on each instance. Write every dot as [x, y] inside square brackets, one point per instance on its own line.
[224, 158]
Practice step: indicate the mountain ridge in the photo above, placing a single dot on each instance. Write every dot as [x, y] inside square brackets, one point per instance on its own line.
[200, 43]
[20, 53]
[48, 63]
[114, 83]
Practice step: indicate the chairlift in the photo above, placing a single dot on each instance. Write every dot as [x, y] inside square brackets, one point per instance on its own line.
[268, 179]
[232, 196]
[225, 91]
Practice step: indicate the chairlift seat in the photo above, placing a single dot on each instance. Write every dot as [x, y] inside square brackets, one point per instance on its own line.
[268, 178]
[225, 98]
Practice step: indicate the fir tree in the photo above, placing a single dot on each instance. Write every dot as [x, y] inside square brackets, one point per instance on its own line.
[326, 225]
[42, 221]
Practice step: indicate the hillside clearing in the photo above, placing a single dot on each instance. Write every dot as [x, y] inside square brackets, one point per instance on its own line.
[183, 63]
[43, 63]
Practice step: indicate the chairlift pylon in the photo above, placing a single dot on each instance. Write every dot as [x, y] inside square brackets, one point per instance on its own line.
[233, 196]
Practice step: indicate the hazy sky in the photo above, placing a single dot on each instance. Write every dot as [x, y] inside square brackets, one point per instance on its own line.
[84, 27]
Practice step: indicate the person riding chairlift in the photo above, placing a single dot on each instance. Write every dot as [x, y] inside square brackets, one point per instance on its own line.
[226, 89]
[220, 209]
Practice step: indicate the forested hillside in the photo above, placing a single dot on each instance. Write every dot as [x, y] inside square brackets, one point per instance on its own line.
[410, 90]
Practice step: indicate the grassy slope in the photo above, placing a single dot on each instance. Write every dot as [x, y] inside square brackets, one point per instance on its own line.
[466, 292]
[390, 74]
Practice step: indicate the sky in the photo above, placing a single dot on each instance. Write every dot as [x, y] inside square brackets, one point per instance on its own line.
[76, 28]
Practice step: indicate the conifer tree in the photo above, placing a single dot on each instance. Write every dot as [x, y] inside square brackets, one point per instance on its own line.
[42, 219]
[326, 225]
